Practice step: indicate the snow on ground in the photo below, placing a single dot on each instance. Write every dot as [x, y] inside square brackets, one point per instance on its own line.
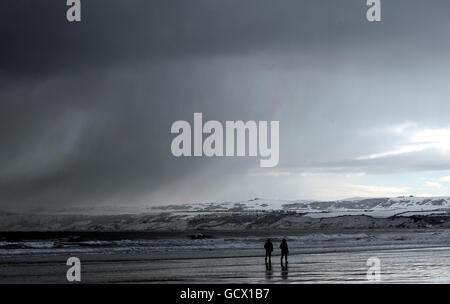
[255, 214]
[376, 207]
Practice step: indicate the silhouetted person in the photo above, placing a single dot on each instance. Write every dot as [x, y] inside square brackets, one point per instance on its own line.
[284, 251]
[269, 248]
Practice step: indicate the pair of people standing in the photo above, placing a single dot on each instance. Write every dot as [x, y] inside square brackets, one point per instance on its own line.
[269, 249]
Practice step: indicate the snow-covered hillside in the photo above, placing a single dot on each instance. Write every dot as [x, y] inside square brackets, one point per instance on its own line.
[256, 214]
[377, 207]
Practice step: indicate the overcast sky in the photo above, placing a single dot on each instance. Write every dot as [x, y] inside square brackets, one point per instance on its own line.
[86, 108]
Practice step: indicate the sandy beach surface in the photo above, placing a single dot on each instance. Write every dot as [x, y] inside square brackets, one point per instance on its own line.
[204, 261]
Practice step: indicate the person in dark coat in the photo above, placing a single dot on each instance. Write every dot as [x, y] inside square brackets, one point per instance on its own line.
[284, 250]
[269, 248]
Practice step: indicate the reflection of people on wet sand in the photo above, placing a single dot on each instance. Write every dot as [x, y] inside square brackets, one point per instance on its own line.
[269, 248]
[269, 272]
[284, 251]
[284, 271]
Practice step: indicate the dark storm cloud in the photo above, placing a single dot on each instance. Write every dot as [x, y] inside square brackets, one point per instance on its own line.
[105, 136]
[37, 38]
[86, 108]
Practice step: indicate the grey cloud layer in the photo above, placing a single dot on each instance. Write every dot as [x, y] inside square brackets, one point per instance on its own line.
[86, 108]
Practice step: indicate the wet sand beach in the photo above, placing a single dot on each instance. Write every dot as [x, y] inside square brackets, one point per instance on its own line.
[402, 263]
